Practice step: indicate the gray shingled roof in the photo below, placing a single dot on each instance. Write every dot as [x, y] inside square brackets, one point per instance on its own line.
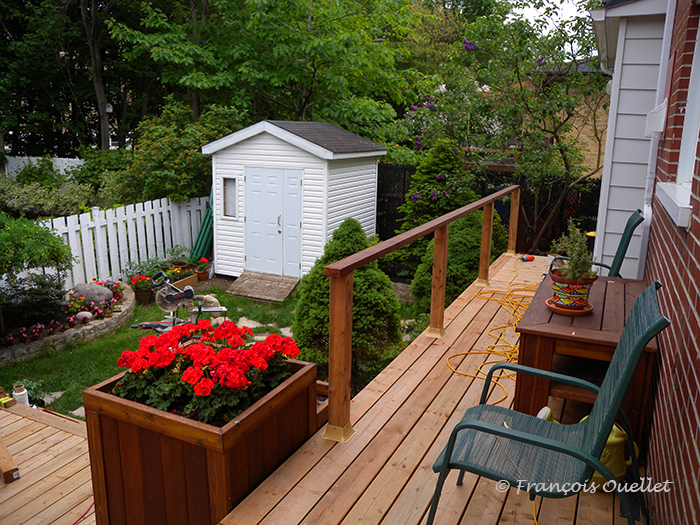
[328, 136]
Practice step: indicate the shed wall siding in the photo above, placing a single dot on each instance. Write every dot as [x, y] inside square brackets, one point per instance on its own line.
[352, 192]
[266, 151]
[627, 150]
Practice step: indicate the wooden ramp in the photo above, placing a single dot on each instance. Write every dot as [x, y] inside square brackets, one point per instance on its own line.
[403, 418]
[51, 453]
[263, 286]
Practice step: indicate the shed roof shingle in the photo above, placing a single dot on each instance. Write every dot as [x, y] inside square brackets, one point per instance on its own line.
[328, 136]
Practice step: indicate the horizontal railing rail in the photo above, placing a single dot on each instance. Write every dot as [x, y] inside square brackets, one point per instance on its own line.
[341, 295]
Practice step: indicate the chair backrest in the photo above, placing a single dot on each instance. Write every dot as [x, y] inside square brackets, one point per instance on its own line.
[635, 220]
[643, 323]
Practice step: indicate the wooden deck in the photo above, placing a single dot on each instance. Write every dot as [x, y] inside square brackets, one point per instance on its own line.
[51, 453]
[382, 475]
[403, 418]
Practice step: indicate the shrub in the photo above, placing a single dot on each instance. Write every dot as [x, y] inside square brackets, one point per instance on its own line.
[439, 185]
[34, 200]
[96, 163]
[29, 246]
[463, 251]
[375, 321]
[41, 172]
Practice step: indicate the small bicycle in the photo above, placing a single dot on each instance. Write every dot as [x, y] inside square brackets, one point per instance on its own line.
[170, 299]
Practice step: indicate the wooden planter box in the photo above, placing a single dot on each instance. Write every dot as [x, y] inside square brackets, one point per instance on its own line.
[187, 281]
[150, 466]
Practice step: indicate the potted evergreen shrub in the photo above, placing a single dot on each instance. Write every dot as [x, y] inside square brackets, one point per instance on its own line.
[572, 276]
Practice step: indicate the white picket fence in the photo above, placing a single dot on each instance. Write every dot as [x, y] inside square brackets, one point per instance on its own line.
[103, 242]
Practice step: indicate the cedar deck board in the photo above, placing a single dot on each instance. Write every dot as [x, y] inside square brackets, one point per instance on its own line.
[54, 486]
[330, 483]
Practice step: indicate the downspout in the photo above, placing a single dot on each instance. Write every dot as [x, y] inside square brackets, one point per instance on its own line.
[654, 143]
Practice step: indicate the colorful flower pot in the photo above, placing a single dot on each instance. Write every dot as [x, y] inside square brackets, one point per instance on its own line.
[570, 294]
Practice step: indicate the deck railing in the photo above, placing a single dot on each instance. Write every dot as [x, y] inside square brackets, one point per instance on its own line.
[341, 285]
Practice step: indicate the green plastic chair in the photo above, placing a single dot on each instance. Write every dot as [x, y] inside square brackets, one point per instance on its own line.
[544, 458]
[614, 269]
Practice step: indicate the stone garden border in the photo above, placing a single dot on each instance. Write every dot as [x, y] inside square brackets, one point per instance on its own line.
[87, 332]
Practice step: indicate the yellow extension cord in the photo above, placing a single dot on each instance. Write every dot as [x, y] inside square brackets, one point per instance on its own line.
[515, 300]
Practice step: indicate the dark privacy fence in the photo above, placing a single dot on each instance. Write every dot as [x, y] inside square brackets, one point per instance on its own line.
[581, 203]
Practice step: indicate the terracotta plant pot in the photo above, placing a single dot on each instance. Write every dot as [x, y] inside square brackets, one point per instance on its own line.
[202, 275]
[570, 294]
[150, 466]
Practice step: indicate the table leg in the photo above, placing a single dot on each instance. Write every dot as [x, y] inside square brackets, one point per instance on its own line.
[532, 393]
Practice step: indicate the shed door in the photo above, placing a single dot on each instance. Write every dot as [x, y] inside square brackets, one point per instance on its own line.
[273, 210]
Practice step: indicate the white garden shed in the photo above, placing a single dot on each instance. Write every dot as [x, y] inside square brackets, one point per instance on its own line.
[280, 189]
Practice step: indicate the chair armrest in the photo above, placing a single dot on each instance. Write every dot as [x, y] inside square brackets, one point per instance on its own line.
[601, 264]
[517, 435]
[544, 374]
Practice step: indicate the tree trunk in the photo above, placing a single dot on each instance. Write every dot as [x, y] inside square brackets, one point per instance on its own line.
[93, 30]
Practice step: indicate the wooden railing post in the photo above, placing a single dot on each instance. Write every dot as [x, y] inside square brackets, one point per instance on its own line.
[486, 231]
[339, 358]
[437, 297]
[514, 220]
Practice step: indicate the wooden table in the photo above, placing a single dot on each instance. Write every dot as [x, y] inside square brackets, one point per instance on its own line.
[582, 346]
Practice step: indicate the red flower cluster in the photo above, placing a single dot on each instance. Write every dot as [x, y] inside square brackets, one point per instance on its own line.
[209, 356]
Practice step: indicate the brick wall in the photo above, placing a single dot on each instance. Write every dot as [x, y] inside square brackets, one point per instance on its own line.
[674, 259]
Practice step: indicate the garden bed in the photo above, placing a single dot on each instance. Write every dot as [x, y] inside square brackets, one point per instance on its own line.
[79, 333]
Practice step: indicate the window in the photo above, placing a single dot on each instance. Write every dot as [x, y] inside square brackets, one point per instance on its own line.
[230, 197]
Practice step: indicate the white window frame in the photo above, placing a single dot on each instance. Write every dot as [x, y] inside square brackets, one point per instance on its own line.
[675, 196]
[226, 205]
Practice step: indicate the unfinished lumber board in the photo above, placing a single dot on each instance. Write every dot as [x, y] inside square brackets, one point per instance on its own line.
[35, 476]
[413, 502]
[48, 498]
[560, 511]
[518, 509]
[486, 502]
[35, 490]
[23, 433]
[8, 467]
[60, 447]
[31, 439]
[398, 380]
[82, 511]
[72, 499]
[594, 508]
[54, 419]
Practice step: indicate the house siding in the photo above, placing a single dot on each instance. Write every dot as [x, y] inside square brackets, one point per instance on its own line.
[627, 150]
[674, 259]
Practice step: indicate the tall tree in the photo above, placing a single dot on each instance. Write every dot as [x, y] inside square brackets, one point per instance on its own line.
[93, 13]
[546, 92]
